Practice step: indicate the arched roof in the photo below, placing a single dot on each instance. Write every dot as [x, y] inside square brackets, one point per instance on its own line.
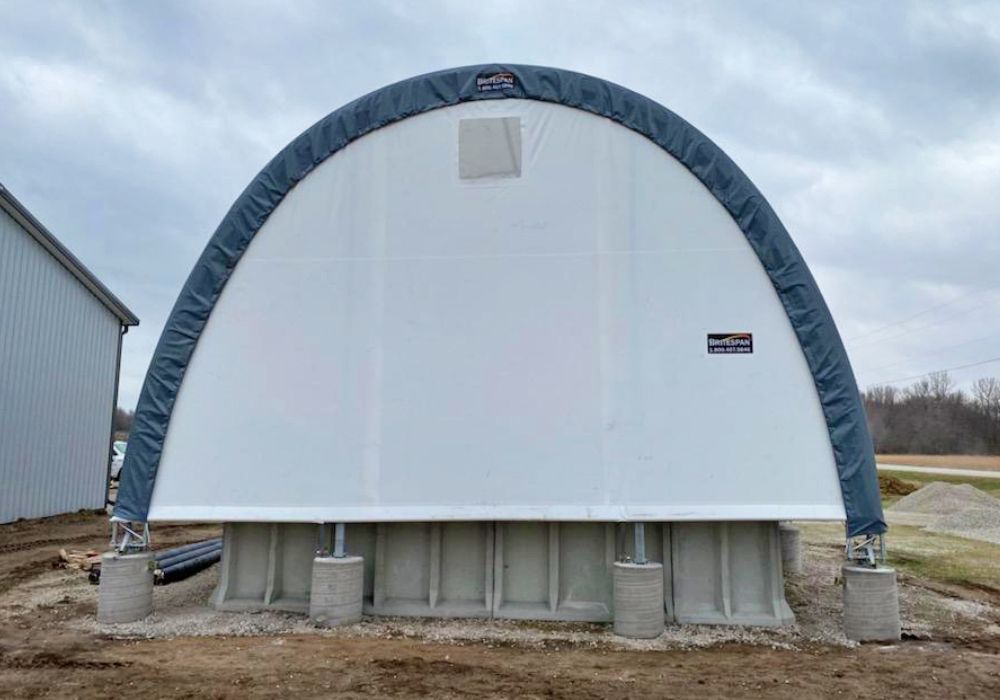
[809, 316]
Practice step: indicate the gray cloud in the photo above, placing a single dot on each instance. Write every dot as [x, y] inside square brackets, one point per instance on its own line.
[873, 128]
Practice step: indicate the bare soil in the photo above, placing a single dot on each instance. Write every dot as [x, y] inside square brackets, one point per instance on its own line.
[890, 485]
[987, 462]
[30, 547]
[313, 666]
[51, 646]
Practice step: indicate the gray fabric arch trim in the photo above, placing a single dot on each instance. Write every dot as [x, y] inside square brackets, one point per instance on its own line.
[808, 313]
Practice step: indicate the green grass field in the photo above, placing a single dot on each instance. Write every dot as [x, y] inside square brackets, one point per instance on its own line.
[941, 557]
[944, 558]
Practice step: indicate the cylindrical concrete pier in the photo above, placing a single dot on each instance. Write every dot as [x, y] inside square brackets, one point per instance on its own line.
[871, 603]
[337, 589]
[791, 548]
[125, 593]
[638, 600]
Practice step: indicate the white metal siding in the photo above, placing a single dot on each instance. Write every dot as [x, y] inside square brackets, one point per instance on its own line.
[58, 352]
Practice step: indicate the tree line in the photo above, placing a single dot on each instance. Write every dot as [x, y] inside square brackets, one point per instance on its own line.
[122, 420]
[932, 416]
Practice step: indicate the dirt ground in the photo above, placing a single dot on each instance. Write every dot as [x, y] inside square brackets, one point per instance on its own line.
[986, 462]
[51, 645]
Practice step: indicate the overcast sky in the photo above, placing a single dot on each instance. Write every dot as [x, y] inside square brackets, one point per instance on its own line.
[873, 129]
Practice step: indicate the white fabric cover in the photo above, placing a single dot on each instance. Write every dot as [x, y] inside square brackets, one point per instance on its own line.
[400, 343]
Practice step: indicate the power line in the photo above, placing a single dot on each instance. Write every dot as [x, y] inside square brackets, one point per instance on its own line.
[924, 312]
[946, 369]
[930, 354]
[929, 324]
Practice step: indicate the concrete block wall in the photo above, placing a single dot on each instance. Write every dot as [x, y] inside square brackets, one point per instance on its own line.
[538, 571]
[432, 569]
[728, 573]
[715, 573]
[266, 566]
[553, 571]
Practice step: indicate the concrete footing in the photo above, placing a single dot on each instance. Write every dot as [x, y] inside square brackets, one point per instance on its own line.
[638, 600]
[336, 591]
[125, 593]
[791, 548]
[871, 603]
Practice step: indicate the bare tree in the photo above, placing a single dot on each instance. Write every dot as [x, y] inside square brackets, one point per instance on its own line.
[884, 395]
[933, 416]
[122, 420]
[986, 394]
[941, 385]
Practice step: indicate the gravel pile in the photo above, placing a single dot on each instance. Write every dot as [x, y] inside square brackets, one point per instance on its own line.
[976, 523]
[957, 509]
[939, 498]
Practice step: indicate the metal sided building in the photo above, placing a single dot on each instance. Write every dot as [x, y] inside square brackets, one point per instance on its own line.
[60, 349]
[489, 318]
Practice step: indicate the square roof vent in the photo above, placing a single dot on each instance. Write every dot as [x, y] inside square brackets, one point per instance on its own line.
[489, 148]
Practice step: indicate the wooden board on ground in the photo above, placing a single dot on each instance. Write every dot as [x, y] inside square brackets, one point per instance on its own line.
[85, 560]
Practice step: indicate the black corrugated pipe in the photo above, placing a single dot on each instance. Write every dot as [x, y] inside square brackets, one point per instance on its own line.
[181, 570]
[173, 551]
[164, 561]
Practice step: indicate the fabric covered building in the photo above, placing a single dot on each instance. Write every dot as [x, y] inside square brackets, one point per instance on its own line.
[488, 317]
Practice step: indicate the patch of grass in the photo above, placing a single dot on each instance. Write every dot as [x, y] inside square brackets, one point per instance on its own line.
[929, 556]
[940, 557]
[943, 557]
